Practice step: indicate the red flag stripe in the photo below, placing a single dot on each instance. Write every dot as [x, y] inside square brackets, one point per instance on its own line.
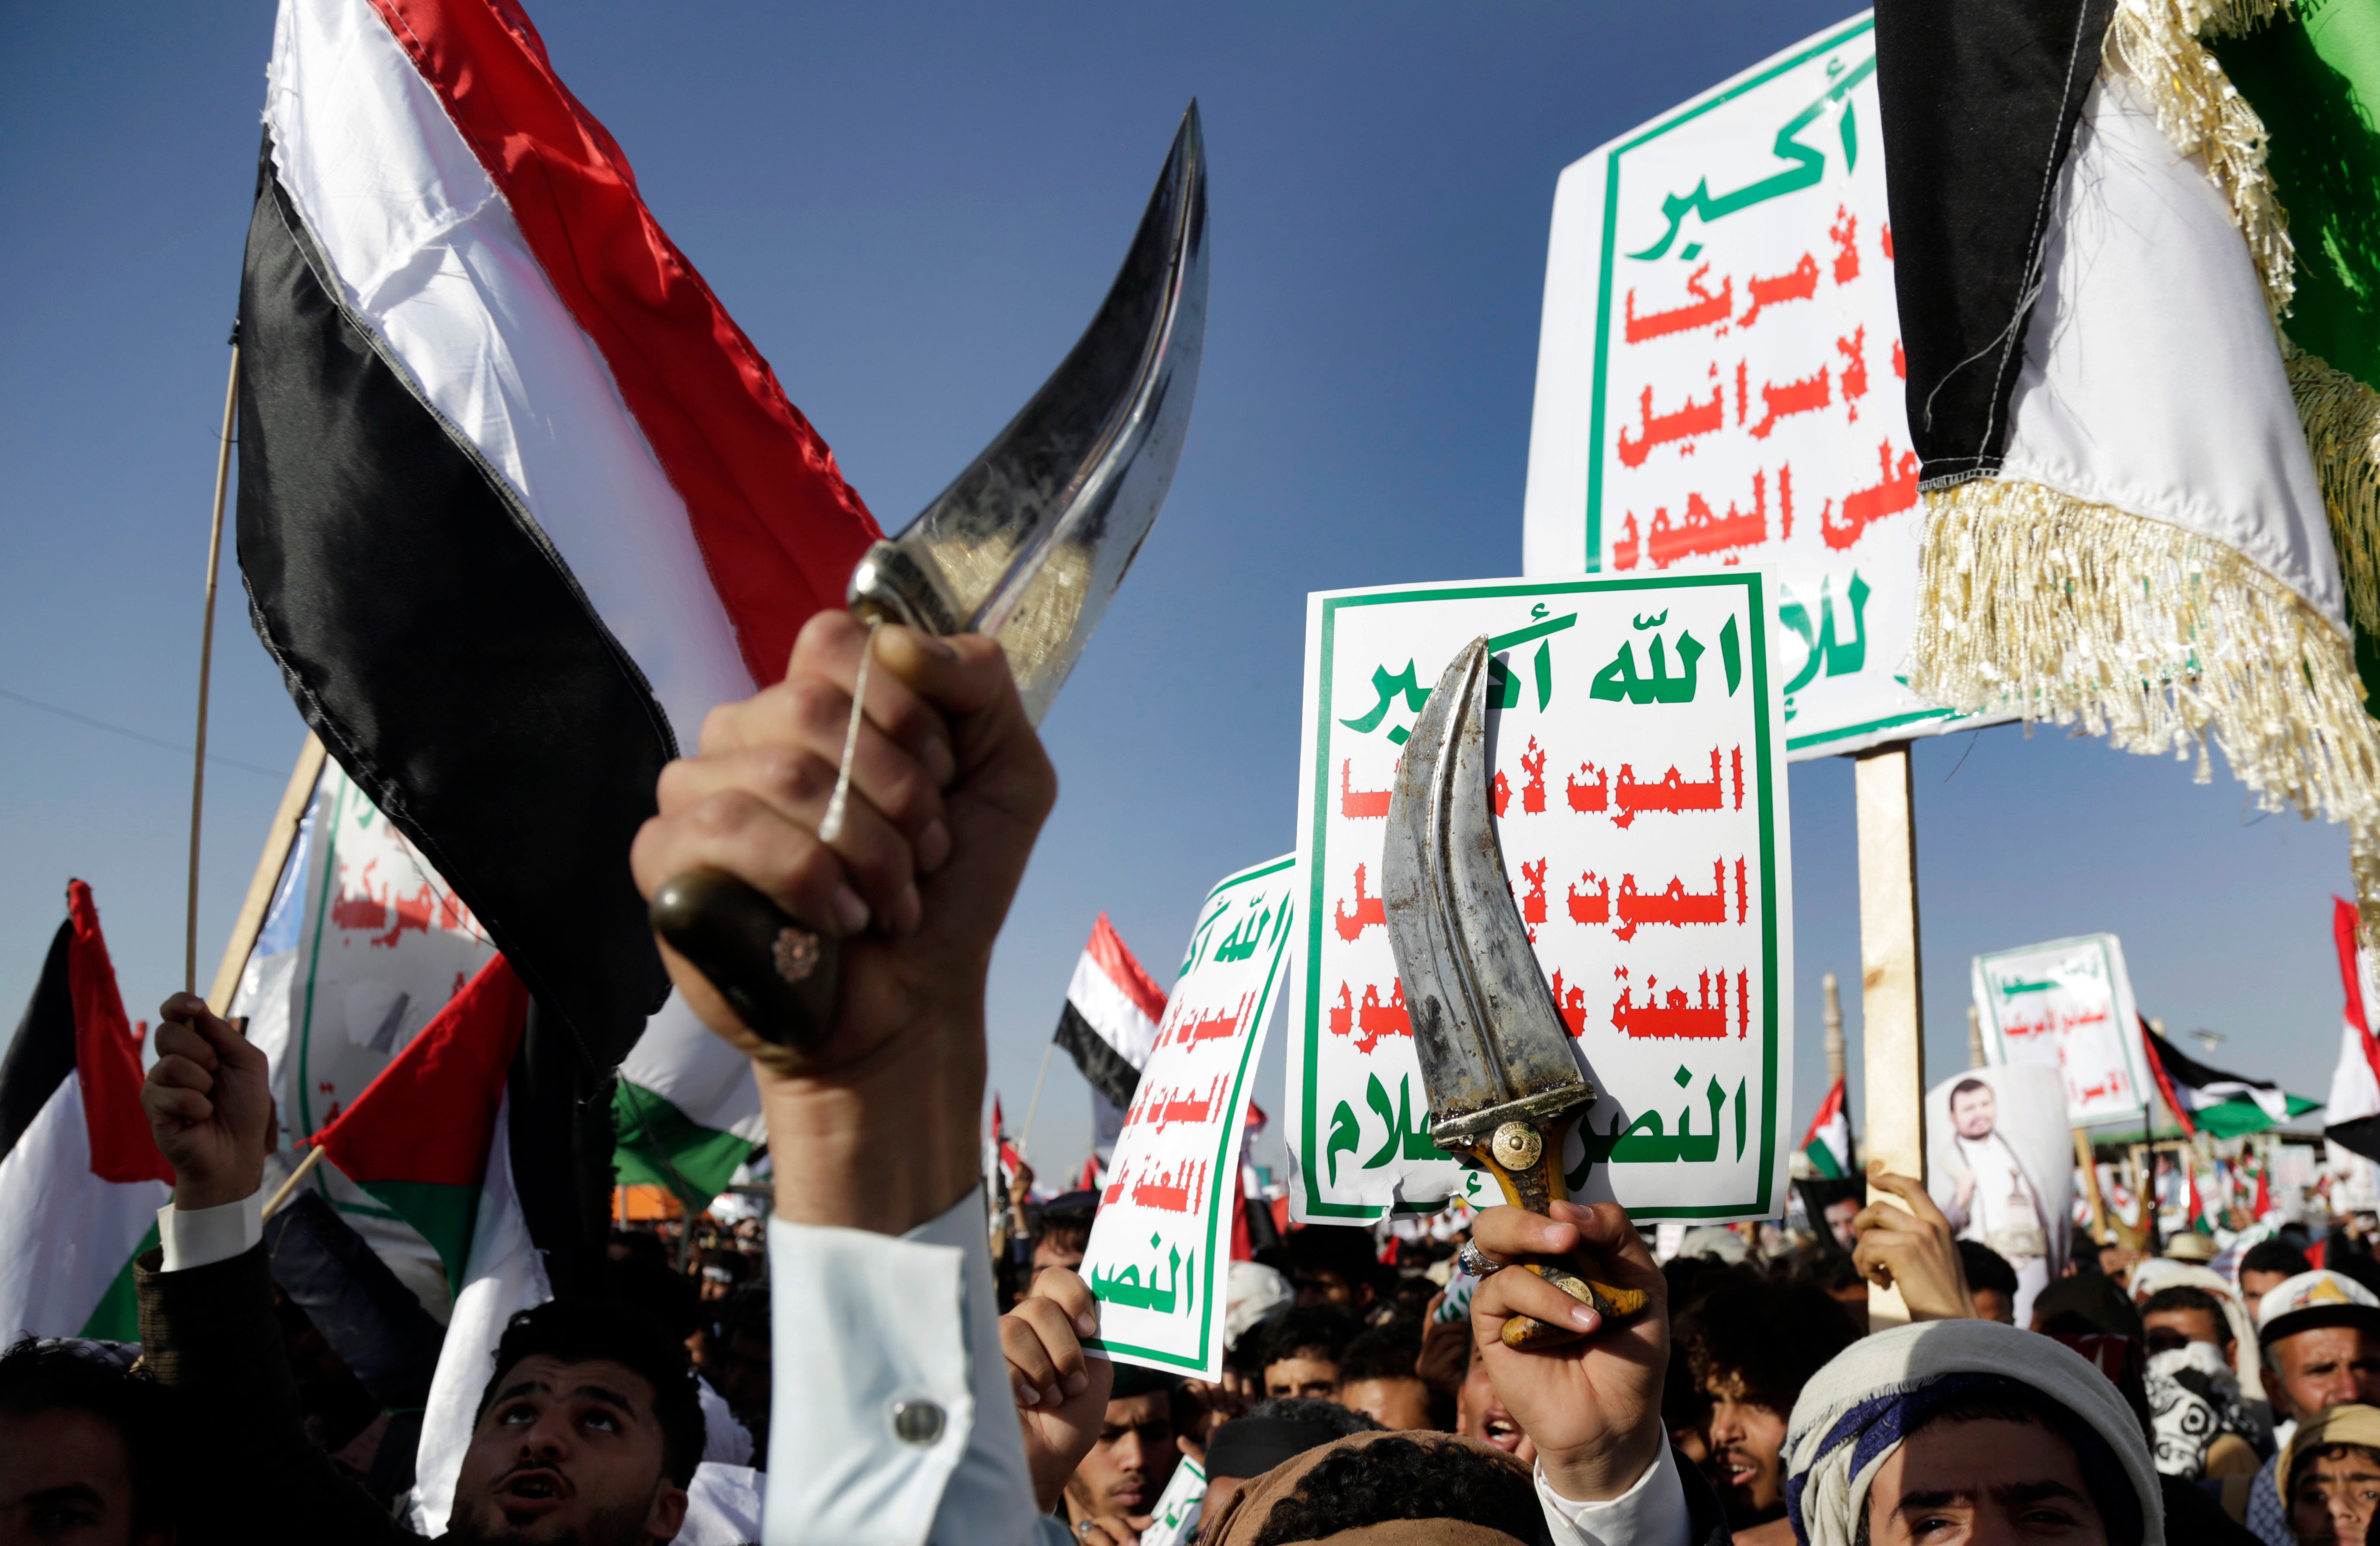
[107, 1060]
[1114, 958]
[2165, 1086]
[778, 528]
[428, 1116]
[2342, 928]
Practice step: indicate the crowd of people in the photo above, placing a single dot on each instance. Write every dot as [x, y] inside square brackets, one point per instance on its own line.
[898, 1385]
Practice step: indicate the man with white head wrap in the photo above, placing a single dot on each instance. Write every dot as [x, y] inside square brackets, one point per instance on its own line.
[1954, 1421]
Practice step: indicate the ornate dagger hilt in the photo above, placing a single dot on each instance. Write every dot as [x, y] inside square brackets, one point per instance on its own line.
[1526, 1159]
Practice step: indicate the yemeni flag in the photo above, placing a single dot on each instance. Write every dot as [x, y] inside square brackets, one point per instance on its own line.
[80, 1177]
[2226, 1104]
[1108, 1026]
[2125, 529]
[518, 501]
[2353, 1110]
[1828, 1143]
[686, 1113]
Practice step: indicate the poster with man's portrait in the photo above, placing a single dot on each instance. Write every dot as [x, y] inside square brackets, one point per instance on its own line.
[1999, 1162]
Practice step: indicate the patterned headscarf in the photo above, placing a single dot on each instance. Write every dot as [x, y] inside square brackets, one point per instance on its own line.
[1857, 1410]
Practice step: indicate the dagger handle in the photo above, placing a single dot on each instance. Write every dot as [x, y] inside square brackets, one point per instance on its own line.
[1535, 1186]
[777, 976]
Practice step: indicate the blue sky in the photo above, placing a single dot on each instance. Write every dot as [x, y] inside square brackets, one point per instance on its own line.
[913, 210]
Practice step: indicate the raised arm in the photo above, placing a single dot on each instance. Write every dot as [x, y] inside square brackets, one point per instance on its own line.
[894, 1419]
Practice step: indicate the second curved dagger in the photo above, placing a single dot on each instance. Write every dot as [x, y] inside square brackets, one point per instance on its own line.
[1504, 1090]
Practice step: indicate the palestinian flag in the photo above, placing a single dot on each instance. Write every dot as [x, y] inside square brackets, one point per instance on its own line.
[2226, 1104]
[1108, 1026]
[686, 1113]
[1828, 1143]
[2124, 524]
[518, 501]
[417, 1136]
[432, 1138]
[80, 1178]
[2353, 1110]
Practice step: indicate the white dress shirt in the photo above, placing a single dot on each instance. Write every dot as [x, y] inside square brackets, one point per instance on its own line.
[867, 1323]
[892, 1423]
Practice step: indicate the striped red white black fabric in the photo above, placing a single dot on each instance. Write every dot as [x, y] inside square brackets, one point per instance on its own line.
[80, 1177]
[1112, 1009]
[518, 501]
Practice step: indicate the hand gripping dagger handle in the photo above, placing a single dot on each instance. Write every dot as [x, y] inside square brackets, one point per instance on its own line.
[1526, 1164]
[777, 976]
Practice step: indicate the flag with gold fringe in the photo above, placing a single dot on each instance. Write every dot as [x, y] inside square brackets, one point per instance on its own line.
[2125, 528]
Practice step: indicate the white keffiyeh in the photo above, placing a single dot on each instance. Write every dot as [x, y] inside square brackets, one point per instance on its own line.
[1852, 1415]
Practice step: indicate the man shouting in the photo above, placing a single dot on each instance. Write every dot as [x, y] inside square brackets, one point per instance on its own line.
[587, 1432]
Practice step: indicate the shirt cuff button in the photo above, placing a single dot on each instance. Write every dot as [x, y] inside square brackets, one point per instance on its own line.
[919, 1422]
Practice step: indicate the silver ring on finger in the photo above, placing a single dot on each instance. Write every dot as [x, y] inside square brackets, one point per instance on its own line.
[1476, 1261]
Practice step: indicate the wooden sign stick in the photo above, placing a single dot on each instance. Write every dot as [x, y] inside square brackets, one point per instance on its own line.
[1892, 1010]
[278, 840]
[206, 665]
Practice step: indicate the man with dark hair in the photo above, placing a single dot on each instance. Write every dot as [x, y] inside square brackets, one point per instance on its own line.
[1376, 1478]
[1335, 1265]
[1991, 1282]
[1132, 1456]
[1480, 1413]
[2267, 1265]
[1062, 1230]
[587, 1432]
[1752, 1345]
[2177, 1316]
[86, 1449]
[1303, 1350]
[1271, 1433]
[1376, 1378]
[2333, 1469]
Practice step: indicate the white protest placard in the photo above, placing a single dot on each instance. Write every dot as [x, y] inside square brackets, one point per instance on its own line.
[1640, 799]
[1719, 380]
[2068, 1004]
[1161, 1244]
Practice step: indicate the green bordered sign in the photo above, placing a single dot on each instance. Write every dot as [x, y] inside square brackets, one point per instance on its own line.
[2068, 1004]
[1635, 733]
[1719, 378]
[1161, 1243]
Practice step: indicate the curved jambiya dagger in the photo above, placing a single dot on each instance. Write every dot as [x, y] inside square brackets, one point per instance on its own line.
[1028, 545]
[1504, 1088]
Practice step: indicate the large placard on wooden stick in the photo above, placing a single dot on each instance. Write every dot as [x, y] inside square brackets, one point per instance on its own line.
[2068, 1004]
[1161, 1243]
[1719, 378]
[1640, 807]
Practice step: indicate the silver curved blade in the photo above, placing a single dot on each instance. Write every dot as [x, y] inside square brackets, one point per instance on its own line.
[1491, 1043]
[1031, 541]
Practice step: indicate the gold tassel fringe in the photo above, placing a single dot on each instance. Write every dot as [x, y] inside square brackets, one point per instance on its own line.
[2341, 416]
[2155, 43]
[2154, 637]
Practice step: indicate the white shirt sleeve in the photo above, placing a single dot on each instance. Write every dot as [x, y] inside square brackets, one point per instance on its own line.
[892, 1423]
[203, 1236]
[1651, 1513]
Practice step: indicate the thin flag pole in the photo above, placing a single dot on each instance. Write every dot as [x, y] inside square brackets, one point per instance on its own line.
[206, 667]
[297, 1179]
[1024, 1139]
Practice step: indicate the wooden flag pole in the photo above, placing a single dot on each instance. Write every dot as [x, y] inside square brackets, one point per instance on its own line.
[206, 665]
[1892, 1017]
[1024, 1140]
[297, 1179]
[269, 865]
